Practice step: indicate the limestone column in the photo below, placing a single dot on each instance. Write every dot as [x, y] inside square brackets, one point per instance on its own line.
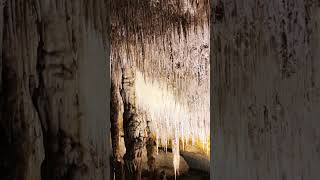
[116, 119]
[134, 127]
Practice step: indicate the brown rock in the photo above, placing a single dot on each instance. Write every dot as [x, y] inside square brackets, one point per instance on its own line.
[164, 161]
[53, 66]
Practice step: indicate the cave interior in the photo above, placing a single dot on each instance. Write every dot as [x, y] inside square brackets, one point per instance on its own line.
[160, 89]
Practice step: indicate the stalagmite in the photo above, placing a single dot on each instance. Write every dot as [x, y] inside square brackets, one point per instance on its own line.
[151, 151]
[134, 126]
[116, 119]
[168, 44]
[171, 121]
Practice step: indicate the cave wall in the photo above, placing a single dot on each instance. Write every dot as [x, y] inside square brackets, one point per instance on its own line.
[54, 90]
[265, 77]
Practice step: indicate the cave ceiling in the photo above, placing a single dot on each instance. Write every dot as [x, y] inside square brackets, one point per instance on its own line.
[167, 40]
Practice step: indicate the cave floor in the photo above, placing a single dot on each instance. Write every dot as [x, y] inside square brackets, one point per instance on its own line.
[193, 175]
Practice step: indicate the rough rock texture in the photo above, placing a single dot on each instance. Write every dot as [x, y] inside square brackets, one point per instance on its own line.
[116, 111]
[133, 125]
[151, 148]
[166, 40]
[266, 89]
[53, 86]
[135, 21]
[197, 161]
[164, 162]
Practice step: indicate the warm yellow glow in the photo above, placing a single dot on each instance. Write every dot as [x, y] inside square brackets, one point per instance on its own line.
[172, 120]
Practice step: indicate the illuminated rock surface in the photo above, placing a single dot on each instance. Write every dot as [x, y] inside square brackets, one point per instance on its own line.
[164, 162]
[167, 43]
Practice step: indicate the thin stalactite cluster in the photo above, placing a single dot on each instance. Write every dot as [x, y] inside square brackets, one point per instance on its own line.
[152, 34]
[133, 20]
[167, 43]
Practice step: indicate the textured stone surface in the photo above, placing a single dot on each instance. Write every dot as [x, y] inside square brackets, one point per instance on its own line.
[265, 96]
[116, 111]
[197, 161]
[54, 87]
[164, 161]
[134, 126]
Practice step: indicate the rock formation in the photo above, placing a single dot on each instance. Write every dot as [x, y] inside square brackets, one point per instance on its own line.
[116, 117]
[166, 43]
[265, 96]
[134, 127]
[54, 87]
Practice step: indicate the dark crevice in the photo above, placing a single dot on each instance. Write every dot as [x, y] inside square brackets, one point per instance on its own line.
[219, 12]
[10, 159]
[38, 95]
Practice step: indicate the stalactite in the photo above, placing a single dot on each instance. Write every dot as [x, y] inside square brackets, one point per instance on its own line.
[172, 119]
[164, 40]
